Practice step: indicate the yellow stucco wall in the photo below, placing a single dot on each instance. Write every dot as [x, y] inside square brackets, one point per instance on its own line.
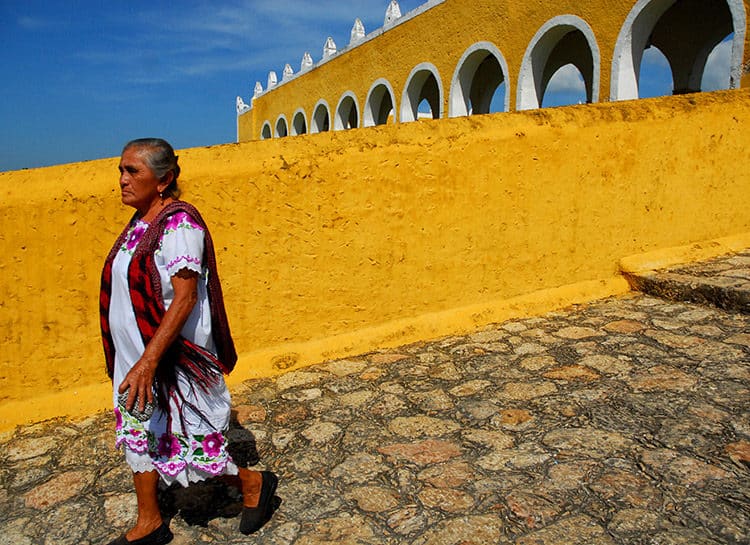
[338, 243]
[440, 36]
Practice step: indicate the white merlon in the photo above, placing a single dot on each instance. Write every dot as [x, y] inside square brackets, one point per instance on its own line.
[288, 72]
[241, 106]
[393, 17]
[358, 32]
[392, 14]
[329, 49]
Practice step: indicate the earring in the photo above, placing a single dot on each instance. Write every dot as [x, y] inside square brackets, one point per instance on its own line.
[161, 196]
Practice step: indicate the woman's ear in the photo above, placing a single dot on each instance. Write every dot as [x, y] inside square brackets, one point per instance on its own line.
[166, 181]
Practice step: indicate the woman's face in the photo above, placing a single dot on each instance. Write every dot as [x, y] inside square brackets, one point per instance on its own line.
[139, 186]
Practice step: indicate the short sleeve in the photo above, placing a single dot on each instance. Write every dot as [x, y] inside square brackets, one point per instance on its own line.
[182, 245]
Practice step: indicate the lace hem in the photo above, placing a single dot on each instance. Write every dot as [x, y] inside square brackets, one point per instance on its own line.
[184, 262]
[139, 463]
[143, 463]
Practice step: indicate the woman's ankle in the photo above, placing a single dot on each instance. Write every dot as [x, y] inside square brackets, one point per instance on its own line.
[252, 482]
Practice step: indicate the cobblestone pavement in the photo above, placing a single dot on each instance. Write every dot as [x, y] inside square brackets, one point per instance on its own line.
[623, 421]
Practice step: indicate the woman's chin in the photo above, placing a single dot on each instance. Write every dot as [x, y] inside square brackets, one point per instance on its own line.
[128, 201]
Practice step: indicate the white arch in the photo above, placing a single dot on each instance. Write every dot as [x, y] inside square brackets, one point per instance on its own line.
[415, 81]
[339, 123]
[375, 97]
[266, 132]
[279, 120]
[295, 128]
[537, 53]
[316, 121]
[458, 103]
[634, 35]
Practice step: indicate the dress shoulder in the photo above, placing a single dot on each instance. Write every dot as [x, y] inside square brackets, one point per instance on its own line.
[181, 245]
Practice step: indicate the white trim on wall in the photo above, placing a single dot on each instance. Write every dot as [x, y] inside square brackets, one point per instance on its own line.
[528, 94]
[281, 119]
[293, 130]
[369, 113]
[338, 122]
[458, 103]
[266, 131]
[418, 76]
[633, 37]
[315, 127]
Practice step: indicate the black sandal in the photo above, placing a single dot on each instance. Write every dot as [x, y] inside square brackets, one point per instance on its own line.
[161, 536]
[253, 518]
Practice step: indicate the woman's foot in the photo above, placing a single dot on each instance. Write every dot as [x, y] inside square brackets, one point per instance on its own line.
[159, 536]
[258, 506]
[143, 529]
[149, 527]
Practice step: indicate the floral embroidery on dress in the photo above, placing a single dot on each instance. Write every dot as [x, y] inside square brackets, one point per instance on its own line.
[135, 235]
[181, 244]
[180, 220]
[186, 258]
[172, 453]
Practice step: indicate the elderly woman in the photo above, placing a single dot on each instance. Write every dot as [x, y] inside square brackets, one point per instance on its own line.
[167, 345]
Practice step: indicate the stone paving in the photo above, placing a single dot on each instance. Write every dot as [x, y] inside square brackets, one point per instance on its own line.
[623, 421]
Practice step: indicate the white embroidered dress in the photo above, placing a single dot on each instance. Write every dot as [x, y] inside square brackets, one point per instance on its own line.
[197, 451]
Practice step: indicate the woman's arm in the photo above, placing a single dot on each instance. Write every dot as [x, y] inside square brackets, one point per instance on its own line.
[141, 377]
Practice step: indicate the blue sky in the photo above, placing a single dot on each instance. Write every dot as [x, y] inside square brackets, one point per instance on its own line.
[82, 77]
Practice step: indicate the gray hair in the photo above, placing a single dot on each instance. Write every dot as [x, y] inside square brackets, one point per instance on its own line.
[160, 158]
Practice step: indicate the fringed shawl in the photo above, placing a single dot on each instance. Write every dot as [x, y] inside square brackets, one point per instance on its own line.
[197, 363]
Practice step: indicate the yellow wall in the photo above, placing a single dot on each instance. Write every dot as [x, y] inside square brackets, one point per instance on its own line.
[440, 36]
[337, 243]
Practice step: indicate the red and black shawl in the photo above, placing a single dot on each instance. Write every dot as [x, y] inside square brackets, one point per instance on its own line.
[197, 363]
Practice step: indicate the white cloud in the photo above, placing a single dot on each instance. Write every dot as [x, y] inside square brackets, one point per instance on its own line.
[653, 58]
[249, 35]
[716, 74]
[656, 74]
[566, 80]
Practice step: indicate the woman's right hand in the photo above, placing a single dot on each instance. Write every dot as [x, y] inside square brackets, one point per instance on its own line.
[140, 381]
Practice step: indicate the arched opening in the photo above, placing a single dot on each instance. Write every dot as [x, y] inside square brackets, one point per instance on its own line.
[321, 119]
[424, 110]
[265, 132]
[718, 66]
[479, 83]
[347, 116]
[423, 85]
[655, 76]
[299, 123]
[562, 41]
[566, 86]
[281, 127]
[500, 101]
[380, 104]
[686, 32]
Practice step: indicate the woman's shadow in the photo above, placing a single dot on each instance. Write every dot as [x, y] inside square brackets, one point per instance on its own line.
[207, 500]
